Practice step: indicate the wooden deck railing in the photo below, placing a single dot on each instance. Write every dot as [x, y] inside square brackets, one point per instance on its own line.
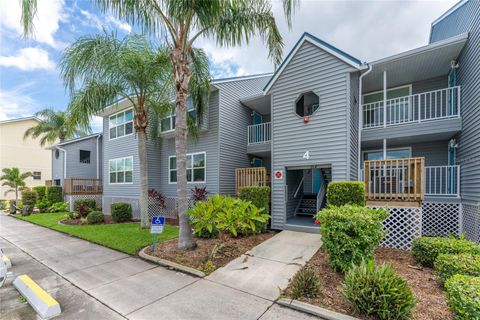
[48, 182]
[246, 177]
[396, 180]
[73, 186]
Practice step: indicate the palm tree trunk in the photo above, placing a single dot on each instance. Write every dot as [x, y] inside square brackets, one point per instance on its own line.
[142, 157]
[182, 76]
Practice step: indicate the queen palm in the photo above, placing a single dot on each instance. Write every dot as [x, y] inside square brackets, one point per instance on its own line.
[15, 180]
[182, 22]
[54, 126]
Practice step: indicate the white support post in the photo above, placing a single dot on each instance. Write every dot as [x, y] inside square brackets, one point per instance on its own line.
[384, 149]
[384, 98]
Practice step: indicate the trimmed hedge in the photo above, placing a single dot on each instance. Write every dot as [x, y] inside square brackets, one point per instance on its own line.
[448, 265]
[54, 194]
[95, 217]
[426, 249]
[41, 192]
[29, 198]
[350, 234]
[463, 295]
[87, 202]
[379, 291]
[121, 211]
[340, 193]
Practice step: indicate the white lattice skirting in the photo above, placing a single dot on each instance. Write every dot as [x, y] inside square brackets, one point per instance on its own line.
[170, 210]
[471, 222]
[441, 219]
[71, 199]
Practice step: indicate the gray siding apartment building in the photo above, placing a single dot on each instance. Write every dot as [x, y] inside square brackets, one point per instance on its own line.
[327, 116]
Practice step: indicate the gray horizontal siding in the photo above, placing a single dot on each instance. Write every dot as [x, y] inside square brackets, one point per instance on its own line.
[467, 19]
[234, 120]
[325, 136]
[353, 112]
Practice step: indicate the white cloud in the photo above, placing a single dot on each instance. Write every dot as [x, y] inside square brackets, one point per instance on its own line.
[109, 21]
[119, 24]
[46, 22]
[28, 59]
[16, 102]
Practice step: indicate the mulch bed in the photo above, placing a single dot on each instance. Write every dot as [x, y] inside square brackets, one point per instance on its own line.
[230, 248]
[432, 304]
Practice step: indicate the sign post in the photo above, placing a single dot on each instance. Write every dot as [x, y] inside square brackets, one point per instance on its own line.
[156, 227]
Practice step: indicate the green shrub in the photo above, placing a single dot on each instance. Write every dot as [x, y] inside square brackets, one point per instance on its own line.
[378, 291]
[305, 283]
[29, 198]
[426, 249]
[54, 194]
[224, 213]
[448, 265]
[42, 205]
[41, 192]
[340, 193]
[121, 211]
[350, 234]
[463, 295]
[58, 207]
[71, 215]
[88, 202]
[260, 198]
[95, 217]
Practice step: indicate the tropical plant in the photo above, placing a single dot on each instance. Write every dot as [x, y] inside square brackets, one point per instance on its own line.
[199, 194]
[15, 180]
[58, 207]
[228, 22]
[56, 125]
[157, 197]
[304, 284]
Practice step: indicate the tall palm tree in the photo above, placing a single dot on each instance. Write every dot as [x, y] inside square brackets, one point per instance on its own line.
[15, 180]
[101, 69]
[55, 125]
[182, 22]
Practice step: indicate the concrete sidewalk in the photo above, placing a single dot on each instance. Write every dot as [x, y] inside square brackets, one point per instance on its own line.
[100, 283]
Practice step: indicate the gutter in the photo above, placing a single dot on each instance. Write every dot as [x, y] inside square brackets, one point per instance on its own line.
[360, 120]
[98, 158]
[64, 161]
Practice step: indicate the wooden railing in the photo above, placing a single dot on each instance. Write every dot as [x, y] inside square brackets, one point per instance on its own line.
[246, 177]
[395, 180]
[73, 186]
[48, 182]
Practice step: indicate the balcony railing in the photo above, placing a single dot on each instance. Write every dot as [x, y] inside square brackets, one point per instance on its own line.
[442, 181]
[394, 180]
[73, 186]
[425, 106]
[259, 133]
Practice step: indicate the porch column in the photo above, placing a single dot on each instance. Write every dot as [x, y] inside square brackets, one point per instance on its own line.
[384, 98]
[384, 149]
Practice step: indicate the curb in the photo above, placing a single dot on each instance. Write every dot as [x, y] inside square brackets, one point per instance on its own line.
[170, 264]
[313, 310]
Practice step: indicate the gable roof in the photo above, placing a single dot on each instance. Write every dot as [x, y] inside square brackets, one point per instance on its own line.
[342, 55]
[19, 119]
[98, 134]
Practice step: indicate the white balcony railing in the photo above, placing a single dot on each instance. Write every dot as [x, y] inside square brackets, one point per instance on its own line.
[259, 133]
[425, 106]
[442, 181]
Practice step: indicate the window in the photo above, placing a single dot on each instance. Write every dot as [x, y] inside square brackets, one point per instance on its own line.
[121, 124]
[37, 175]
[391, 154]
[307, 104]
[121, 170]
[84, 156]
[195, 168]
[168, 123]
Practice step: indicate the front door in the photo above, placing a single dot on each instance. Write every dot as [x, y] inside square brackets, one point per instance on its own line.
[257, 162]
[316, 180]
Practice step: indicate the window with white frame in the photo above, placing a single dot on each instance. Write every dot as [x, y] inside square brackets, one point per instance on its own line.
[168, 123]
[196, 168]
[120, 170]
[121, 124]
[37, 175]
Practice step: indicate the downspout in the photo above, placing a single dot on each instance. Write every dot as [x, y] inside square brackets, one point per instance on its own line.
[98, 158]
[64, 161]
[360, 121]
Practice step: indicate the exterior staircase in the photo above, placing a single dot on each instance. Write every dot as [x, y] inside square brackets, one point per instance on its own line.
[307, 205]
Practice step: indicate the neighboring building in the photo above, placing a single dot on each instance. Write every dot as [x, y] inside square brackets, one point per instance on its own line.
[25, 154]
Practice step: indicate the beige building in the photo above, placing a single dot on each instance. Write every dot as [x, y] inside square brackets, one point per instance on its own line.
[27, 155]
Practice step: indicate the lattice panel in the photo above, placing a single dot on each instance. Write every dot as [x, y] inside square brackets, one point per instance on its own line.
[471, 222]
[71, 199]
[170, 210]
[402, 226]
[440, 219]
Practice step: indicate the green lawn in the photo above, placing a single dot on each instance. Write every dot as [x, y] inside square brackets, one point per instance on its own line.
[125, 237]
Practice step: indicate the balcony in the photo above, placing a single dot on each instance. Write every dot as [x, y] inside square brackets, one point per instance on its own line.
[77, 186]
[442, 181]
[259, 138]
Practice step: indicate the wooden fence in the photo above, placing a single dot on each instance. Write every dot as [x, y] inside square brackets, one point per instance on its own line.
[246, 177]
[73, 186]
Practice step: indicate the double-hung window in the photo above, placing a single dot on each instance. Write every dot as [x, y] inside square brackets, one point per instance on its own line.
[196, 168]
[37, 175]
[121, 124]
[168, 123]
[120, 170]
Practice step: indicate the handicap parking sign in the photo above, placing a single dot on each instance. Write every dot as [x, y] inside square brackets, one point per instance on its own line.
[157, 224]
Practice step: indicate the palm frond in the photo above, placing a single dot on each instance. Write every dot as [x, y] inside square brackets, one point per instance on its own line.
[29, 11]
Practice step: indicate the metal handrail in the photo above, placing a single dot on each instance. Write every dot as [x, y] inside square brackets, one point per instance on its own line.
[298, 187]
[259, 133]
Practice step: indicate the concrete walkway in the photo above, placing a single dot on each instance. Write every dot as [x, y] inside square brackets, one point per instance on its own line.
[93, 282]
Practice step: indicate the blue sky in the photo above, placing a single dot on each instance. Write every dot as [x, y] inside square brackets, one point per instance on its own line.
[29, 78]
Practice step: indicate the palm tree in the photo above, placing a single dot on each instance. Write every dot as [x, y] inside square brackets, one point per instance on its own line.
[55, 125]
[101, 69]
[15, 180]
[228, 22]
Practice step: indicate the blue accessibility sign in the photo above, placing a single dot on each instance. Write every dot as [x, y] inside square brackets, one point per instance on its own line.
[157, 224]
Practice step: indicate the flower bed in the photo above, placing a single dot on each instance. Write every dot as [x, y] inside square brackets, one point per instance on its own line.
[432, 303]
[226, 249]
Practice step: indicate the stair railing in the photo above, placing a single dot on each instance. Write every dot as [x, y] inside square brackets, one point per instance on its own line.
[298, 187]
[321, 195]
